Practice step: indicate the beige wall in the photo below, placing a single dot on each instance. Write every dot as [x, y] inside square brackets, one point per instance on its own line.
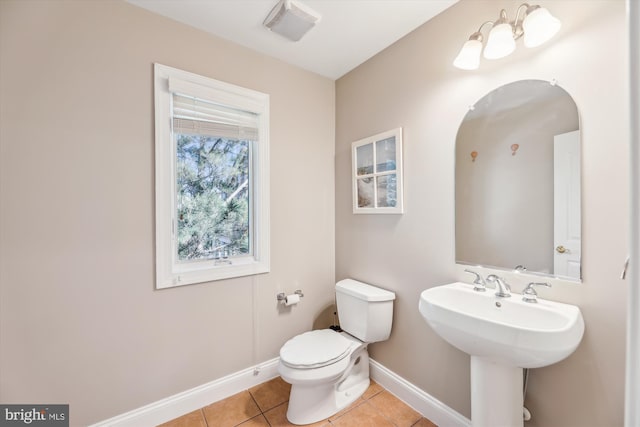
[413, 84]
[80, 321]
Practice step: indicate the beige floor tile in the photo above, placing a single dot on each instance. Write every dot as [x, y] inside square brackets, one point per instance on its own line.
[266, 405]
[353, 405]
[423, 422]
[374, 388]
[259, 421]
[394, 409]
[277, 417]
[363, 415]
[192, 419]
[271, 394]
[231, 411]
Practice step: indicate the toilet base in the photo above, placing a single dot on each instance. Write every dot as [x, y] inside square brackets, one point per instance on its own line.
[310, 404]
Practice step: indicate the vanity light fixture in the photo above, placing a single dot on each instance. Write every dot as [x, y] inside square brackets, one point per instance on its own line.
[536, 24]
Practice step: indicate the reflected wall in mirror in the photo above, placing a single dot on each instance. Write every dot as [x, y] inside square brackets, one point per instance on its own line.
[518, 181]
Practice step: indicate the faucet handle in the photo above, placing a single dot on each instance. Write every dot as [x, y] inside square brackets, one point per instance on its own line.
[479, 284]
[529, 294]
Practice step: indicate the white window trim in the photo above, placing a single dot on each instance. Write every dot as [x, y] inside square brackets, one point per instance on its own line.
[399, 208]
[170, 273]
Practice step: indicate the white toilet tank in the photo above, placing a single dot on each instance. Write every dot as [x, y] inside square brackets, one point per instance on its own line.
[365, 311]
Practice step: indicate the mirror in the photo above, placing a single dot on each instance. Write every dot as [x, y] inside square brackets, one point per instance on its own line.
[518, 181]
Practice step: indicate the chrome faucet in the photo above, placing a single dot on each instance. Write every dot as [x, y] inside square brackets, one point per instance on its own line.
[478, 283]
[503, 289]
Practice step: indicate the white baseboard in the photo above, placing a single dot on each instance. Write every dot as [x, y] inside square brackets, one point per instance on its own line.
[182, 403]
[418, 399]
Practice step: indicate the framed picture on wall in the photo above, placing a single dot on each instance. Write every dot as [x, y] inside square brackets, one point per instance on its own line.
[377, 173]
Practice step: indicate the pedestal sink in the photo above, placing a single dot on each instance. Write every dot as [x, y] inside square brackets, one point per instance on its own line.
[502, 335]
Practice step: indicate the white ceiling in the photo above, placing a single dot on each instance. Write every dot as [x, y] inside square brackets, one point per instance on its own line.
[349, 32]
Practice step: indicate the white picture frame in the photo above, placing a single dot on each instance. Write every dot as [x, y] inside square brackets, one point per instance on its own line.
[376, 170]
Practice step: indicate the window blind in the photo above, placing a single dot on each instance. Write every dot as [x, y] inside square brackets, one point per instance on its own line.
[196, 116]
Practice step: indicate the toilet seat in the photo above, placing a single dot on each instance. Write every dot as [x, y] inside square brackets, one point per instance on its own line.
[315, 349]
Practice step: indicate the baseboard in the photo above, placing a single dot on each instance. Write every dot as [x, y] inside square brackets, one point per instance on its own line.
[418, 399]
[182, 403]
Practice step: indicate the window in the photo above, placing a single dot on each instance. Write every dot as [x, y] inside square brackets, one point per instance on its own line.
[212, 180]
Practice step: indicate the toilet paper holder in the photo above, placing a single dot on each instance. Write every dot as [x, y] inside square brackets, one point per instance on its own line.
[282, 296]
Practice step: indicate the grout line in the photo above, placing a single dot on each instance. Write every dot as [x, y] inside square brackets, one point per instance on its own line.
[265, 417]
[206, 423]
[260, 409]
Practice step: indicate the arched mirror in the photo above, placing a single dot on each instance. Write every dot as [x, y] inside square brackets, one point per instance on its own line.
[518, 181]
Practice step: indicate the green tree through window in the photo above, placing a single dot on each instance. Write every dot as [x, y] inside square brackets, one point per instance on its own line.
[212, 175]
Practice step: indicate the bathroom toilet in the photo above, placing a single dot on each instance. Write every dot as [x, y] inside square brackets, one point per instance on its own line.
[328, 370]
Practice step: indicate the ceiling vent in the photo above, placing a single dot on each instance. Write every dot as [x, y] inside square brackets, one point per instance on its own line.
[291, 19]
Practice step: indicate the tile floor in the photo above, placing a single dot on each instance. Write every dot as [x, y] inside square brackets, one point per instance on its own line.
[266, 405]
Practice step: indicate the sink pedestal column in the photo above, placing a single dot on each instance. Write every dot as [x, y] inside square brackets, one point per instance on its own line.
[496, 394]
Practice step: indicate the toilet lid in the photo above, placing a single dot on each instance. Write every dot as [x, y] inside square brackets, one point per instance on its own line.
[315, 349]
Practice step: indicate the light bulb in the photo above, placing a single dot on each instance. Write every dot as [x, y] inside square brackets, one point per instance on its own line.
[500, 42]
[469, 56]
[539, 26]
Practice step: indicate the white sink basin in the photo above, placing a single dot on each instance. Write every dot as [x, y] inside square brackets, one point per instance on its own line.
[508, 331]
